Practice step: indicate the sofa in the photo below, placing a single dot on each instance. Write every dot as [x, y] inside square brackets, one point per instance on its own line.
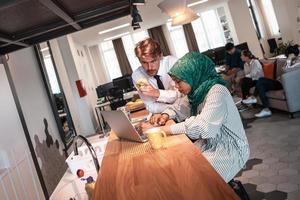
[287, 99]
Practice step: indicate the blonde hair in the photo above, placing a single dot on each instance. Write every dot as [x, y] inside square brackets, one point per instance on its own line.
[148, 47]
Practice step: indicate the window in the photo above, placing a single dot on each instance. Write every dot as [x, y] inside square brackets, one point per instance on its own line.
[129, 42]
[111, 61]
[51, 74]
[178, 40]
[270, 17]
[208, 31]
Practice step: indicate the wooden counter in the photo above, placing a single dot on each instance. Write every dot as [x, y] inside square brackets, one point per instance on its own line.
[133, 171]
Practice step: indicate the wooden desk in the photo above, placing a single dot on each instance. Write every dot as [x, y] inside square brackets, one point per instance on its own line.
[133, 171]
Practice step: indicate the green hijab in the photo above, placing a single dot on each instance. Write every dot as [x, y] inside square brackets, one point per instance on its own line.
[199, 72]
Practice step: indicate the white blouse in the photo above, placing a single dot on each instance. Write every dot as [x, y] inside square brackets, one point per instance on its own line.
[218, 129]
[253, 70]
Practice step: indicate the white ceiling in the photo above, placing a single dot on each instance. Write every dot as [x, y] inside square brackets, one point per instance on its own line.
[151, 14]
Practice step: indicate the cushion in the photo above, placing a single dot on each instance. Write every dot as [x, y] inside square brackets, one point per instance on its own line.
[268, 69]
[280, 65]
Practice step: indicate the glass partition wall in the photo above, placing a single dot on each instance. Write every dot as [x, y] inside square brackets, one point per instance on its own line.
[56, 95]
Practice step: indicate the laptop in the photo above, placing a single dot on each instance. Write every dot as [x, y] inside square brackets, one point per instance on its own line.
[123, 128]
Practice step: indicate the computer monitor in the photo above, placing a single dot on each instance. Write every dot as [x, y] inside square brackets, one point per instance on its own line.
[273, 45]
[103, 90]
[124, 83]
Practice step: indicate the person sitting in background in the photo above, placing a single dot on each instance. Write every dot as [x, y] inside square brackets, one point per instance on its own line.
[207, 114]
[293, 57]
[264, 85]
[253, 71]
[156, 89]
[234, 66]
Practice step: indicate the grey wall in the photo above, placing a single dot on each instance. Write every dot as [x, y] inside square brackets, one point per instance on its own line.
[38, 115]
[18, 178]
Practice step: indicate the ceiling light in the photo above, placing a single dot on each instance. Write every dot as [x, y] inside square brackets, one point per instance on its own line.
[172, 7]
[196, 3]
[188, 16]
[138, 2]
[116, 36]
[47, 56]
[44, 49]
[114, 28]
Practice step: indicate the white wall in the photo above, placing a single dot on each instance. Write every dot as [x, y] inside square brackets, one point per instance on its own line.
[97, 61]
[243, 25]
[76, 69]
[286, 12]
[18, 180]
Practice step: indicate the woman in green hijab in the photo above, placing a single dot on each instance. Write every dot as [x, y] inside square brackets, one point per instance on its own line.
[206, 114]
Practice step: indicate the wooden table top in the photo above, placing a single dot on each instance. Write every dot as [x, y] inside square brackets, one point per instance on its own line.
[134, 171]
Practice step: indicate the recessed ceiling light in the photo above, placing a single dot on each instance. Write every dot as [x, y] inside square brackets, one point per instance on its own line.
[116, 36]
[45, 49]
[196, 3]
[47, 56]
[114, 28]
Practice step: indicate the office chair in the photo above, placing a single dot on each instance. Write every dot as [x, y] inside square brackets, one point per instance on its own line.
[116, 98]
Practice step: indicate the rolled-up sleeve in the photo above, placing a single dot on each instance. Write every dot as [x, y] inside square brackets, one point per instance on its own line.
[207, 124]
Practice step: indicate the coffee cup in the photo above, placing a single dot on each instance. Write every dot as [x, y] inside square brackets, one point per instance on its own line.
[156, 137]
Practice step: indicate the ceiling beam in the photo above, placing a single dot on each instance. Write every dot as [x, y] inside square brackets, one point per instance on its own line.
[60, 12]
[83, 18]
[4, 38]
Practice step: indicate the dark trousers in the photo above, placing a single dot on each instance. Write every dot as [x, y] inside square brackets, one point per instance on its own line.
[247, 84]
[264, 85]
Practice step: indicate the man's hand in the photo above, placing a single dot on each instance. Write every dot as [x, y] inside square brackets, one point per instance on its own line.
[159, 119]
[149, 90]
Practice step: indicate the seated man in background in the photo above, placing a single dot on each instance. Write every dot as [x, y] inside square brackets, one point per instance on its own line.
[156, 88]
[234, 67]
[264, 85]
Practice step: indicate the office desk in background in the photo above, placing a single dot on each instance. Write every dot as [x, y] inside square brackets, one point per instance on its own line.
[101, 107]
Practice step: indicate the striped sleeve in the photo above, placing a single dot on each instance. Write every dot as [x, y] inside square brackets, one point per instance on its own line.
[207, 124]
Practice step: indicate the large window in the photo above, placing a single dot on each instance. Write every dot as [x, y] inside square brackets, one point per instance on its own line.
[270, 17]
[129, 42]
[208, 31]
[178, 40]
[111, 61]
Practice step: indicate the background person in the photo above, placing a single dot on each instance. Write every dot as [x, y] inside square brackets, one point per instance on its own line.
[159, 90]
[234, 66]
[253, 71]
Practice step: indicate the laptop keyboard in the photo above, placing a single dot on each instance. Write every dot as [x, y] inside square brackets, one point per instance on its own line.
[139, 130]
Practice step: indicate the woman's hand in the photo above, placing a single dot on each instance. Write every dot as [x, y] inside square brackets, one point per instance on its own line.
[145, 126]
[159, 119]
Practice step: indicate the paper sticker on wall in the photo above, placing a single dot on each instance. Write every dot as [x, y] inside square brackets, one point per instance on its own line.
[80, 87]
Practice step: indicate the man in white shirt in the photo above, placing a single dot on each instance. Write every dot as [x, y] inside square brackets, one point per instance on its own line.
[159, 91]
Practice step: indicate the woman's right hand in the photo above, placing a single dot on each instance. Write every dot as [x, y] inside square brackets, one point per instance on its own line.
[159, 119]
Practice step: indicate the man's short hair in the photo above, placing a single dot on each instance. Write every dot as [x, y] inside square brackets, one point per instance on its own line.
[148, 47]
[229, 46]
[292, 49]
